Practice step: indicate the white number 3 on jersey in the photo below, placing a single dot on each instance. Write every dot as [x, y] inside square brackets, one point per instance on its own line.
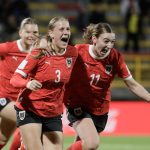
[58, 73]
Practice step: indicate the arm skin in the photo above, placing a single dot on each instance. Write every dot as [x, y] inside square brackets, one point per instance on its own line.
[138, 89]
[19, 82]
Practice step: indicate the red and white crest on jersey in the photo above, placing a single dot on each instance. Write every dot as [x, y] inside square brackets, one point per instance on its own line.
[69, 62]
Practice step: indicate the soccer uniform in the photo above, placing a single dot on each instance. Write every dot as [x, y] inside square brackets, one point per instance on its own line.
[89, 87]
[11, 54]
[53, 72]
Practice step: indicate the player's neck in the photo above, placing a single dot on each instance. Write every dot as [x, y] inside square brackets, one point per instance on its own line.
[24, 46]
[58, 51]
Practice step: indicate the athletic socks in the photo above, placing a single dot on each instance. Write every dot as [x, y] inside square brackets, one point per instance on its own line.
[76, 146]
[22, 147]
[16, 140]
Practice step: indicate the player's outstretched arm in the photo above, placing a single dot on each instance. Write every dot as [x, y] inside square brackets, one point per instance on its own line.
[138, 89]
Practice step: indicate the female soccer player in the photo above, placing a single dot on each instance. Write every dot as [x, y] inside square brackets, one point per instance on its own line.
[12, 54]
[88, 95]
[40, 103]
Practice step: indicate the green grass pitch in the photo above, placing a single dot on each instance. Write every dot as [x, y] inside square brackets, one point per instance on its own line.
[114, 143]
[119, 143]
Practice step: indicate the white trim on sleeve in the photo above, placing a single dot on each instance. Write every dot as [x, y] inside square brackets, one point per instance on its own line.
[21, 72]
[23, 64]
[128, 78]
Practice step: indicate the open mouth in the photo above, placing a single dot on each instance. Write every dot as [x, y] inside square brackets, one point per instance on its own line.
[65, 39]
[105, 50]
[30, 41]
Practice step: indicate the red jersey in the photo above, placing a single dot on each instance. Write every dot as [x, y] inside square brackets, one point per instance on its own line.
[53, 72]
[91, 78]
[11, 54]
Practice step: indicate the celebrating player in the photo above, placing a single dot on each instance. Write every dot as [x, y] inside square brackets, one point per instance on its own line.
[87, 96]
[40, 103]
[12, 54]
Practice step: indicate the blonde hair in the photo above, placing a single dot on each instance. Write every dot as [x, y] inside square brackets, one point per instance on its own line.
[51, 26]
[52, 22]
[96, 30]
[27, 21]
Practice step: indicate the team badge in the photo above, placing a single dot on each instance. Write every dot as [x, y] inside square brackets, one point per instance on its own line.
[108, 69]
[69, 62]
[78, 111]
[22, 114]
[3, 101]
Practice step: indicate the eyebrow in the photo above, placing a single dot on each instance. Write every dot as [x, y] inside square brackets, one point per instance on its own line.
[109, 39]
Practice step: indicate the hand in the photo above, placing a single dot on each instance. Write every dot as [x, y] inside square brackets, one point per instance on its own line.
[45, 46]
[40, 43]
[48, 53]
[34, 85]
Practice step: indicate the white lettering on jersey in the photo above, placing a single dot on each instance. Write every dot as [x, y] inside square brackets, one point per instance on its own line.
[58, 73]
[94, 79]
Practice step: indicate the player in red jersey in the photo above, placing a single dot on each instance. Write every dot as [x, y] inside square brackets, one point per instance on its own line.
[12, 54]
[40, 102]
[88, 95]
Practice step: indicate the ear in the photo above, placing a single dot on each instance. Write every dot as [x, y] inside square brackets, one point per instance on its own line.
[50, 33]
[20, 33]
[94, 39]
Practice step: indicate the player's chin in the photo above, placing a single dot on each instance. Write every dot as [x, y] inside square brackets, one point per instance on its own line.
[100, 55]
[103, 54]
[64, 45]
[30, 42]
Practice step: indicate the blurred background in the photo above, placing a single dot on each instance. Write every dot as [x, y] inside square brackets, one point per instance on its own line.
[130, 20]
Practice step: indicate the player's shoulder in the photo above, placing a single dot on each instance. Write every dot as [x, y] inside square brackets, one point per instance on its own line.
[9, 44]
[81, 46]
[35, 52]
[115, 53]
[71, 50]
[12, 44]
